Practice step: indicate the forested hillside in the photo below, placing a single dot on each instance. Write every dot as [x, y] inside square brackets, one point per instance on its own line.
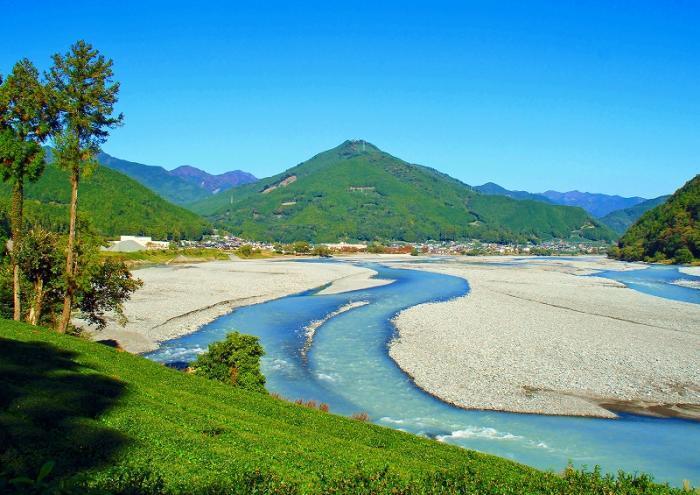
[670, 231]
[358, 192]
[112, 202]
[621, 220]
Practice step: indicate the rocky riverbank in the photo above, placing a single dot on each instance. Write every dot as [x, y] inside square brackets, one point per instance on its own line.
[539, 338]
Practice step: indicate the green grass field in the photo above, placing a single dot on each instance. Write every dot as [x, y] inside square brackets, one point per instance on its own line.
[100, 413]
[163, 256]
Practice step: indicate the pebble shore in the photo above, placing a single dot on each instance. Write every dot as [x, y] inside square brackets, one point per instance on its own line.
[540, 338]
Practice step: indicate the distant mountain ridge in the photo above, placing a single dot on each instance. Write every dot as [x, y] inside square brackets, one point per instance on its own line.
[596, 204]
[210, 182]
[621, 220]
[356, 191]
[495, 189]
[185, 184]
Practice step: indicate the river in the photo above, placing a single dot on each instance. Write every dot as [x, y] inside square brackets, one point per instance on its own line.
[348, 368]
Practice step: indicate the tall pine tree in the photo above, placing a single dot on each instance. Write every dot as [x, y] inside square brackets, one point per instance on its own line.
[26, 120]
[82, 81]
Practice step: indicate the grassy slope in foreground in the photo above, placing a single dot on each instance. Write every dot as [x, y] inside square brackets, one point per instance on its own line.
[358, 192]
[90, 408]
[670, 231]
[113, 202]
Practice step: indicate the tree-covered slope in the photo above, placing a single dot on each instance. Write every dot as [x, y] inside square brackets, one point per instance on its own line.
[670, 231]
[620, 220]
[184, 184]
[111, 201]
[358, 192]
[128, 425]
[158, 179]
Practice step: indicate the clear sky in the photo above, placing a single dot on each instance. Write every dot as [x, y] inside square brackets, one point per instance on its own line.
[601, 96]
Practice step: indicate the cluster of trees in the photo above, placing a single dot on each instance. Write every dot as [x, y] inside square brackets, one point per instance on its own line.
[668, 232]
[72, 106]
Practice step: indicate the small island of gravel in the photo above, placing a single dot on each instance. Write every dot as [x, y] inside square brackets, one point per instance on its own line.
[541, 338]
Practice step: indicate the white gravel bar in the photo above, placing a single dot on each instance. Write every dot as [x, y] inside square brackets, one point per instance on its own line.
[539, 338]
[179, 299]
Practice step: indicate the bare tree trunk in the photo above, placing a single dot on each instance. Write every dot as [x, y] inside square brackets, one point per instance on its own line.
[17, 207]
[35, 310]
[70, 253]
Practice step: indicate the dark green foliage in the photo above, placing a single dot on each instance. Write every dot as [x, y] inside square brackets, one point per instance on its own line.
[670, 231]
[114, 203]
[235, 360]
[26, 120]
[358, 192]
[110, 284]
[118, 423]
[621, 220]
[102, 284]
[127, 480]
[81, 81]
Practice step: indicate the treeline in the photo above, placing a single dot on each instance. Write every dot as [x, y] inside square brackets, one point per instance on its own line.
[669, 232]
[49, 274]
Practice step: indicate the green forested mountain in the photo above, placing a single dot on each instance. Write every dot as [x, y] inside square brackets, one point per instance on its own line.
[620, 220]
[157, 179]
[670, 231]
[112, 202]
[358, 192]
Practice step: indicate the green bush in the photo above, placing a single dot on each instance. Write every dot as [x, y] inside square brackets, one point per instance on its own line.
[301, 247]
[321, 251]
[683, 255]
[245, 251]
[235, 360]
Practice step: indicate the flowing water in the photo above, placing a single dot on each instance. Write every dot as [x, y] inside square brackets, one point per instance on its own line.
[347, 366]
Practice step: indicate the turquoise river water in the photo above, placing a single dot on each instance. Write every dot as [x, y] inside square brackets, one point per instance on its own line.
[348, 367]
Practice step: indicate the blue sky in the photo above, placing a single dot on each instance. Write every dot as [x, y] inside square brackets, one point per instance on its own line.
[596, 96]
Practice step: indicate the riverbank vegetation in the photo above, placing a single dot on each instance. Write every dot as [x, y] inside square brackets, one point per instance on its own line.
[166, 256]
[669, 232]
[114, 421]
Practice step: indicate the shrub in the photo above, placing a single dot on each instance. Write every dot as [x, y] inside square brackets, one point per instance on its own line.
[683, 255]
[301, 247]
[235, 360]
[321, 251]
[375, 248]
[361, 416]
[245, 251]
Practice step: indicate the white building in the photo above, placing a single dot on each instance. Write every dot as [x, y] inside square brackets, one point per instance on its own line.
[132, 243]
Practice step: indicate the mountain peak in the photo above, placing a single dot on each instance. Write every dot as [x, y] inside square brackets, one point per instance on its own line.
[355, 146]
